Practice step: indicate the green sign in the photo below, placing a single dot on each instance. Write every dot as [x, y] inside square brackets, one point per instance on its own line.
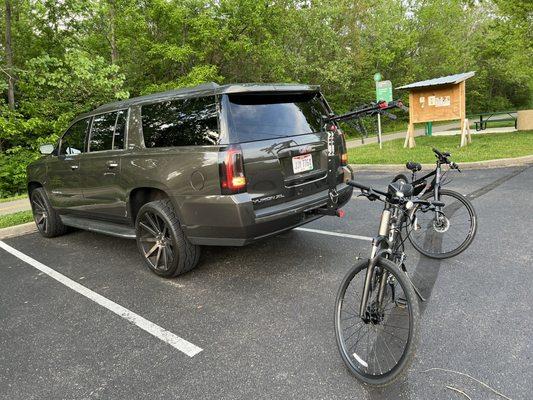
[384, 91]
[377, 77]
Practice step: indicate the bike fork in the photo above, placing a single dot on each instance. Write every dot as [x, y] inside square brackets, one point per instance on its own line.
[383, 232]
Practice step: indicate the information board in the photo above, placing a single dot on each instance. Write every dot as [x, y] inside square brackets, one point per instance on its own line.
[436, 104]
[384, 91]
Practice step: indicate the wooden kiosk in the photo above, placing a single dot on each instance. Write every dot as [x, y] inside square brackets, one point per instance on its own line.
[439, 99]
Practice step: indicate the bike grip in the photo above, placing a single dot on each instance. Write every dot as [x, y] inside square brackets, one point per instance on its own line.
[437, 203]
[436, 151]
[358, 185]
[389, 115]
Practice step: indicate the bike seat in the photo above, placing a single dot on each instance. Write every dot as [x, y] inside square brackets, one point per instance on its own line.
[413, 166]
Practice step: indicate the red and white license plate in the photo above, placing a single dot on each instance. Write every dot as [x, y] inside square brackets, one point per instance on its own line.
[302, 163]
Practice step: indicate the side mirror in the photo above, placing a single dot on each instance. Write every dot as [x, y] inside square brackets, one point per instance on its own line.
[46, 149]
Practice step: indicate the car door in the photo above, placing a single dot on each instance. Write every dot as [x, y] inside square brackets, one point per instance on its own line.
[101, 167]
[63, 171]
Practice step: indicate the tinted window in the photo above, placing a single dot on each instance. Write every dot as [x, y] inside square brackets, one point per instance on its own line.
[267, 116]
[102, 132]
[120, 128]
[184, 122]
[73, 141]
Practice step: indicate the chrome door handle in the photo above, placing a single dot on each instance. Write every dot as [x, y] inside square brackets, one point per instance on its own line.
[74, 167]
[112, 164]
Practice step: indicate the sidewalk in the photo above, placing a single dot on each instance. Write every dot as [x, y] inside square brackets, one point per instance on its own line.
[10, 207]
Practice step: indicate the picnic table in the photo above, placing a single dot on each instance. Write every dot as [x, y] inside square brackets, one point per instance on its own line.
[487, 117]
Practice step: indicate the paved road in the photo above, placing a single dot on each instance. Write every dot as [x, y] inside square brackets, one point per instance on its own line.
[263, 314]
[10, 207]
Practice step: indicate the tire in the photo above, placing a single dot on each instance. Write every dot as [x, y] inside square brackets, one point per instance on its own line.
[469, 237]
[401, 177]
[354, 365]
[46, 218]
[161, 241]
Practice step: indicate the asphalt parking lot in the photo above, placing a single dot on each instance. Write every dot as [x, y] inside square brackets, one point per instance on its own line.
[262, 315]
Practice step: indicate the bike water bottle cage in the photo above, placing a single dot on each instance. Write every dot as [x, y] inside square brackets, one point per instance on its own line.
[413, 166]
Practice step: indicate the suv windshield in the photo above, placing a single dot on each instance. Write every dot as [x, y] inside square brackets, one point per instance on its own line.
[261, 116]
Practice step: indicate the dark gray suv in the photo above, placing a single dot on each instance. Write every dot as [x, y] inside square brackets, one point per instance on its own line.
[209, 165]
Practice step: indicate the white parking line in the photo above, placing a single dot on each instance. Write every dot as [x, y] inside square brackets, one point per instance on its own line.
[343, 235]
[168, 337]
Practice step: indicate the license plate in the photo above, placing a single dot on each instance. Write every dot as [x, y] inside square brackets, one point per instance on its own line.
[302, 163]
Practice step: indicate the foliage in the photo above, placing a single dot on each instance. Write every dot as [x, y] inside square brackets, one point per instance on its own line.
[17, 218]
[13, 170]
[13, 198]
[73, 55]
[486, 146]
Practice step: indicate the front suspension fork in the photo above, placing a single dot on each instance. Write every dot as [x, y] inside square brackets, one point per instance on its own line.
[374, 256]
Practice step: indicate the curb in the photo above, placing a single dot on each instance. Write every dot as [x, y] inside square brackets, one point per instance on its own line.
[502, 162]
[18, 230]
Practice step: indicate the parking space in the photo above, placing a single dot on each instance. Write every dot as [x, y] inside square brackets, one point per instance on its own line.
[263, 314]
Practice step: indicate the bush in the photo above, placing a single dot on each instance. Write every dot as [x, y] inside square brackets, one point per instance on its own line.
[13, 165]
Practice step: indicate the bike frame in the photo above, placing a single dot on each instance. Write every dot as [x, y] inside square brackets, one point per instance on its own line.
[380, 246]
[434, 185]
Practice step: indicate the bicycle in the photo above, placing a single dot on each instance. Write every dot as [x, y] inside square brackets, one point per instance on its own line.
[376, 303]
[444, 233]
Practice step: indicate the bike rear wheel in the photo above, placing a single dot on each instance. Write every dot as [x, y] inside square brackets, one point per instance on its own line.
[445, 234]
[378, 347]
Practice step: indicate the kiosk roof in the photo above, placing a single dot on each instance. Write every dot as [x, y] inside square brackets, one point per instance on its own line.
[443, 80]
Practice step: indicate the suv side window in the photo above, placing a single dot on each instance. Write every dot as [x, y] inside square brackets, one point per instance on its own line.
[73, 141]
[102, 132]
[181, 122]
[120, 128]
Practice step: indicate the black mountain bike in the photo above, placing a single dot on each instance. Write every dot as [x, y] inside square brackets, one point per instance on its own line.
[449, 230]
[376, 310]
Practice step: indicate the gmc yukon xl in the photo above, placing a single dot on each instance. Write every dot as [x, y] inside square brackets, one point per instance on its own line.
[209, 165]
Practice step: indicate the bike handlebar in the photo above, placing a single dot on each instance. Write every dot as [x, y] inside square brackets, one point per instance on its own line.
[376, 193]
[366, 188]
[444, 158]
[372, 109]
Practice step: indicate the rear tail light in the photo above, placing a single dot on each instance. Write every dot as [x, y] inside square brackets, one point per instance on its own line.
[344, 159]
[231, 168]
[344, 154]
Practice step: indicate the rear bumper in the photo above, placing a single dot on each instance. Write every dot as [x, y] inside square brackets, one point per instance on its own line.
[232, 220]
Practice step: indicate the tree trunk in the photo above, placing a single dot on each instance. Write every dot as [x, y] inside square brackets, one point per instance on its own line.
[112, 38]
[9, 59]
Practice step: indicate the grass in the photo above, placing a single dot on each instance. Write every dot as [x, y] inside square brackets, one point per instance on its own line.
[17, 197]
[488, 146]
[15, 219]
[389, 127]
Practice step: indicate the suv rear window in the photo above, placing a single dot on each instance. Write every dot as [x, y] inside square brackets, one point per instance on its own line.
[267, 116]
[182, 122]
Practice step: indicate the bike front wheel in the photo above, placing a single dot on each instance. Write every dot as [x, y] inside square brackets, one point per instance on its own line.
[445, 233]
[377, 346]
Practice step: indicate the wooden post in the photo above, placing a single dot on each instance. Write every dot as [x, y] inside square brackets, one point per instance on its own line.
[463, 132]
[406, 142]
[410, 137]
[465, 124]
